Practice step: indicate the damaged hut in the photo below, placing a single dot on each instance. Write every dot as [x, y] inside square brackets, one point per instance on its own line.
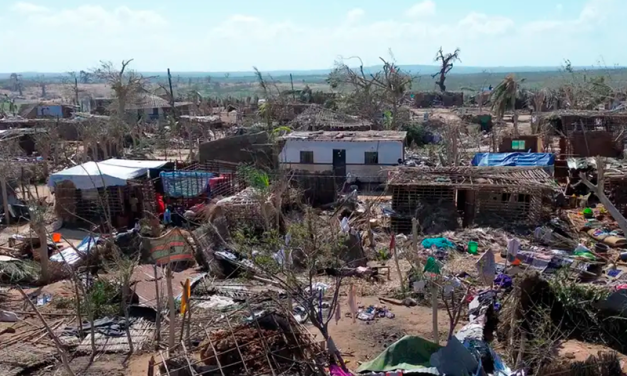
[94, 191]
[588, 133]
[447, 197]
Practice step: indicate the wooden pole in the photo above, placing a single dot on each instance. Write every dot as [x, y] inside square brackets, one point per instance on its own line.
[398, 268]
[171, 307]
[414, 234]
[158, 318]
[59, 347]
[434, 310]
[151, 366]
[40, 229]
[5, 200]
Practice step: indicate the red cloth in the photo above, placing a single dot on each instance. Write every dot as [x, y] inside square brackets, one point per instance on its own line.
[160, 204]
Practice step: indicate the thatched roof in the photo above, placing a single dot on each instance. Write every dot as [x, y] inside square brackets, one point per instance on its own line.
[319, 118]
[472, 177]
[584, 114]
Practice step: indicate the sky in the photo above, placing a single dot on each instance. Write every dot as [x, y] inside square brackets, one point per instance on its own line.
[235, 35]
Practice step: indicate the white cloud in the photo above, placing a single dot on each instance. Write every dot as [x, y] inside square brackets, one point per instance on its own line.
[24, 7]
[242, 40]
[422, 9]
[355, 15]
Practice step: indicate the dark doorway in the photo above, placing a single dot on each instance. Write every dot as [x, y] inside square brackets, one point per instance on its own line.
[339, 165]
[466, 206]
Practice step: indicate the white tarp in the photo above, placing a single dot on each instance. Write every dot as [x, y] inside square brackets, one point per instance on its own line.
[109, 173]
[134, 163]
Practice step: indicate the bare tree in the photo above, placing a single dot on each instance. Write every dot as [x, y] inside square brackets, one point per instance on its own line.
[127, 84]
[371, 95]
[446, 61]
[129, 87]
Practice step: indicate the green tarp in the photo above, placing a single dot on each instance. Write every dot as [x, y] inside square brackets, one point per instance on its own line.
[408, 353]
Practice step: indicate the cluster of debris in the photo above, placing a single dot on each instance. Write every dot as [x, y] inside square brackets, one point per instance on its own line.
[228, 268]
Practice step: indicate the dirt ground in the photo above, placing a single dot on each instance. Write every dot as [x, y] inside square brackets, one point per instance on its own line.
[362, 341]
[580, 351]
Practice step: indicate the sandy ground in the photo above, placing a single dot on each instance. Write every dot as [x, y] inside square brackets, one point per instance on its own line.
[362, 341]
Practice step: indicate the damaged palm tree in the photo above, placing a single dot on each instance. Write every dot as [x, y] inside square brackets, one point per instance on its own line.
[274, 104]
[504, 96]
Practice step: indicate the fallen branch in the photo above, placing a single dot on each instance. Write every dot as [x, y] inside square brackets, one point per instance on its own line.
[57, 343]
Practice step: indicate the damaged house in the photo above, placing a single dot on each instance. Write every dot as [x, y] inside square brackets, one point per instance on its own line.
[588, 133]
[358, 155]
[444, 198]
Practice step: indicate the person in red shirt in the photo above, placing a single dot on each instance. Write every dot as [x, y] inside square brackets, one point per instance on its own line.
[160, 204]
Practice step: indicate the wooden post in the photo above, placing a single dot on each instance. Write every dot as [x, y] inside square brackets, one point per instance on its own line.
[151, 366]
[158, 318]
[171, 307]
[40, 229]
[414, 234]
[434, 310]
[5, 200]
[398, 267]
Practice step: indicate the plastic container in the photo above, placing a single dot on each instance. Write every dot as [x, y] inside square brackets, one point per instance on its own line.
[473, 247]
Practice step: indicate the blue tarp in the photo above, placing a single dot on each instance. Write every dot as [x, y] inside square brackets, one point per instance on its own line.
[514, 159]
[185, 183]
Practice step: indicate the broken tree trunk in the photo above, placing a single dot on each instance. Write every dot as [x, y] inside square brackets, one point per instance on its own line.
[5, 200]
[40, 229]
[598, 190]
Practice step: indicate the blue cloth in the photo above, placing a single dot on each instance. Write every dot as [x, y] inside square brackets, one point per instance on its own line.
[440, 243]
[185, 183]
[514, 159]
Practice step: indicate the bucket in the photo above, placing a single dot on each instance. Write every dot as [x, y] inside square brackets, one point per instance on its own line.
[473, 247]
[56, 237]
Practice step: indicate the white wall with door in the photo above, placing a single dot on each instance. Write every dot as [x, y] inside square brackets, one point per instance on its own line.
[364, 159]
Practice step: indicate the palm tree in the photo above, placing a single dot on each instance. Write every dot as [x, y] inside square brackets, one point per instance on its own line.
[504, 95]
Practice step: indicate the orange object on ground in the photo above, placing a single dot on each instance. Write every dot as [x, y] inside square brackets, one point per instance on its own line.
[56, 237]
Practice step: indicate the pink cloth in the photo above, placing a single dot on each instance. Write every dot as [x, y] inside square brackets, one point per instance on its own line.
[336, 370]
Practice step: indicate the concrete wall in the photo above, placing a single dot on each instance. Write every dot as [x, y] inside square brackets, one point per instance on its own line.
[389, 151]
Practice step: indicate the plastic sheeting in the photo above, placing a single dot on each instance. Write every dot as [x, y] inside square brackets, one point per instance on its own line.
[109, 173]
[514, 159]
[185, 183]
[409, 353]
[71, 256]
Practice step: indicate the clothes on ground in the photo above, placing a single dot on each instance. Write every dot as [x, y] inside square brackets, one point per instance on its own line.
[439, 243]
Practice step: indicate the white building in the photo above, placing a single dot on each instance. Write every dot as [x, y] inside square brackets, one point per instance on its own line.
[360, 155]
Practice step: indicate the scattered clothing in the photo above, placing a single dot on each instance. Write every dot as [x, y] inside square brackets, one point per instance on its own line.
[439, 243]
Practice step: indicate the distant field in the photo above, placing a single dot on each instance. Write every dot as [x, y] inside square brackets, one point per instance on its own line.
[242, 86]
